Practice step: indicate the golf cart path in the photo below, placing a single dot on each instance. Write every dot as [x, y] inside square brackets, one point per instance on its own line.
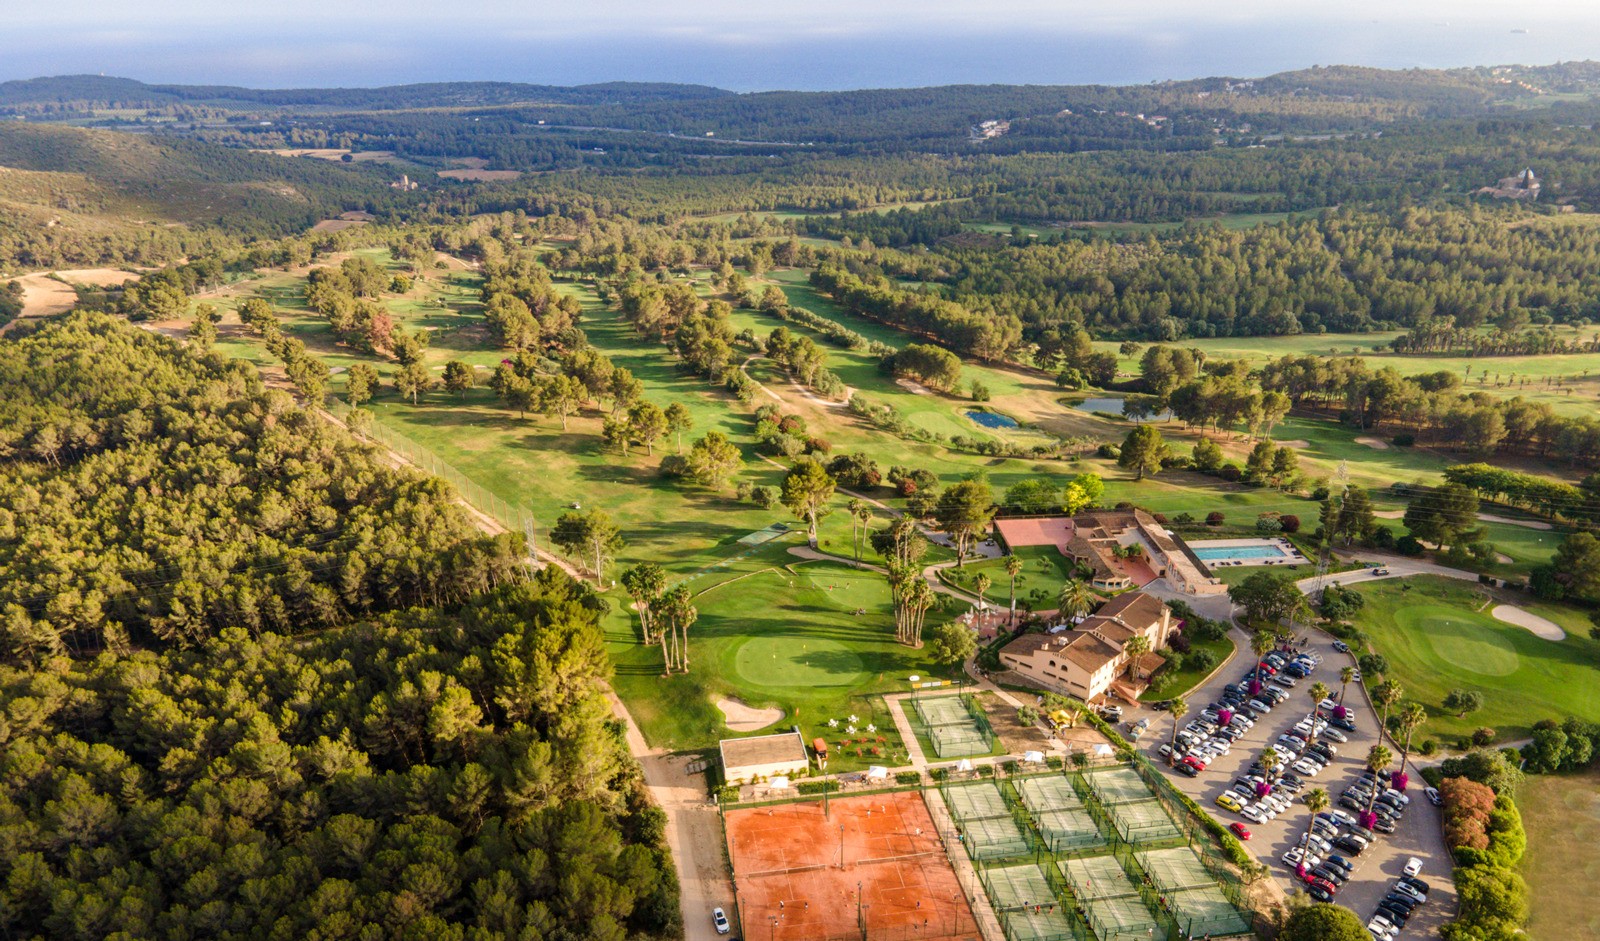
[1541, 627]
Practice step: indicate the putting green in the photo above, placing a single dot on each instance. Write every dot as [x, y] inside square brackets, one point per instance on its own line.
[1467, 644]
[790, 662]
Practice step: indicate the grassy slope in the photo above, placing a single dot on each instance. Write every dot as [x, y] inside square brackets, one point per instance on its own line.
[1562, 817]
[1436, 638]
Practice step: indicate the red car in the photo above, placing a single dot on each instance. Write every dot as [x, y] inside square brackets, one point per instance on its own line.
[1240, 830]
[1195, 763]
[1325, 885]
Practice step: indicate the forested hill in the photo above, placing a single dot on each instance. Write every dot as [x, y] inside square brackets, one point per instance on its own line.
[78, 92]
[432, 756]
[70, 196]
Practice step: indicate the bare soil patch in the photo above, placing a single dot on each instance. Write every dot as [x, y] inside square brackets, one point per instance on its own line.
[1296, 443]
[743, 718]
[480, 176]
[336, 225]
[471, 163]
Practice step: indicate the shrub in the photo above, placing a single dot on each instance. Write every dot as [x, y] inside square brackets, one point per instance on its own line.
[1215, 518]
[1405, 439]
[1290, 523]
[907, 777]
[1230, 472]
[1483, 736]
[1268, 524]
[1408, 545]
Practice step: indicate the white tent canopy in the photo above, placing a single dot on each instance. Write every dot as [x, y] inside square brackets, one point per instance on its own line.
[964, 765]
[1033, 756]
[1103, 750]
[778, 782]
[877, 773]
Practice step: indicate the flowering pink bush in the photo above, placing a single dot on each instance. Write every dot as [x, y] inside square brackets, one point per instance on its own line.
[1339, 712]
[1368, 819]
[1224, 716]
[1399, 780]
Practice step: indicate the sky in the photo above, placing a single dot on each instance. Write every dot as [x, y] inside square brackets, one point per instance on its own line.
[747, 45]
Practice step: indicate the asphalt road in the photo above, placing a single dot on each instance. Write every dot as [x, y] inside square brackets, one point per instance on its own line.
[1418, 834]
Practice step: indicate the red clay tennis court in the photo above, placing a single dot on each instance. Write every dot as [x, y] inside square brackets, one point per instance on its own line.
[791, 887]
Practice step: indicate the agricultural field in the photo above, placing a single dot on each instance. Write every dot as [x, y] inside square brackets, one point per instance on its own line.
[1438, 635]
[1562, 816]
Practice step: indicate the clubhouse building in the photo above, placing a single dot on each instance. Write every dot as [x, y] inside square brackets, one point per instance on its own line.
[1088, 660]
[1121, 549]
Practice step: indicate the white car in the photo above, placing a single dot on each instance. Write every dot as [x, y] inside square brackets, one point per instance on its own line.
[1295, 856]
[1307, 768]
[1405, 889]
[1319, 845]
[1413, 866]
[1382, 929]
[1255, 814]
[720, 921]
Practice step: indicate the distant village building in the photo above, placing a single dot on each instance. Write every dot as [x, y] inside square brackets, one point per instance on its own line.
[404, 183]
[1088, 659]
[1525, 185]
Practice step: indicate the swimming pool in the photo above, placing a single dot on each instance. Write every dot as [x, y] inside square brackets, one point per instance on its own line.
[992, 419]
[1238, 553]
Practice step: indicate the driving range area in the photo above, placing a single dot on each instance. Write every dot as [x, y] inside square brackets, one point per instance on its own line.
[895, 881]
[1097, 854]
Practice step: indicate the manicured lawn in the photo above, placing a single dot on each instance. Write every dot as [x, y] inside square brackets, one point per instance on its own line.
[1181, 682]
[1436, 639]
[1562, 816]
[776, 632]
[1044, 571]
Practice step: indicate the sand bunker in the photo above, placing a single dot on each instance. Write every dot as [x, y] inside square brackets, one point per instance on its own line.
[1541, 627]
[915, 388]
[1376, 444]
[743, 718]
[1296, 443]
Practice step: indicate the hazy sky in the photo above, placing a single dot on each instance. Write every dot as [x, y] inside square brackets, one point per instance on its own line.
[754, 45]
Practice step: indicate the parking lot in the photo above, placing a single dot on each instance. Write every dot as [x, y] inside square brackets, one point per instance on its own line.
[1417, 832]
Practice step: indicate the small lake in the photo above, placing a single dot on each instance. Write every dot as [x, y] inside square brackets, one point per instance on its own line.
[992, 419]
[1113, 406]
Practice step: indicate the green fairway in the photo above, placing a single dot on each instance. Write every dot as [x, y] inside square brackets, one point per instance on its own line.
[777, 632]
[1438, 635]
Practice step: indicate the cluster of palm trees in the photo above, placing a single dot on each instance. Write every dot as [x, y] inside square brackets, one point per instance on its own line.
[665, 616]
[903, 548]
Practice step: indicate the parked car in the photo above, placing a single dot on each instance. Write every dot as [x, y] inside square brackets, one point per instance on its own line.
[1406, 889]
[1341, 862]
[1319, 893]
[1341, 646]
[1295, 856]
[1382, 929]
[1240, 830]
[1415, 883]
[1229, 802]
[1350, 846]
[1333, 875]
[1432, 793]
[1336, 735]
[720, 920]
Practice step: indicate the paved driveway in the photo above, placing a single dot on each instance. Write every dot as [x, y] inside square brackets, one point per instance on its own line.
[1418, 833]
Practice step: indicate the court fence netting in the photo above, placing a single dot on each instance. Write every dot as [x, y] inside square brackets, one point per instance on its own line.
[986, 825]
[955, 724]
[1143, 822]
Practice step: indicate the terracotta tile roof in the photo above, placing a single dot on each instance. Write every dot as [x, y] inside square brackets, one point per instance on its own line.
[1135, 609]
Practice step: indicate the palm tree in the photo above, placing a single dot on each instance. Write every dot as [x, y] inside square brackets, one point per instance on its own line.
[1316, 800]
[1269, 759]
[855, 507]
[863, 513]
[1074, 599]
[1260, 643]
[1136, 646]
[1387, 694]
[984, 581]
[1379, 758]
[1411, 718]
[1345, 677]
[1177, 708]
[1318, 692]
[1013, 569]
